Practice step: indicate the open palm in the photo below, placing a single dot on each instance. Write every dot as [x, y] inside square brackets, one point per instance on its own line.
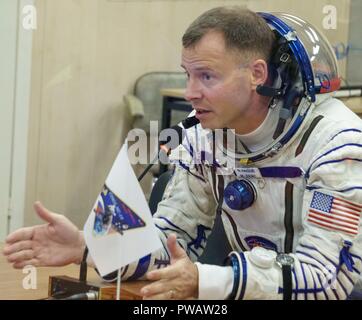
[56, 243]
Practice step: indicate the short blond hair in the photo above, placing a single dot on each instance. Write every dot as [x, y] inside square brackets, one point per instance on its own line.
[243, 30]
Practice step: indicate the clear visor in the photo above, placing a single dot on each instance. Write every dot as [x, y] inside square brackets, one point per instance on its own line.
[320, 52]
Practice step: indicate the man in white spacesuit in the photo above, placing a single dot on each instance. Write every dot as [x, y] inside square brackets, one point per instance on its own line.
[288, 187]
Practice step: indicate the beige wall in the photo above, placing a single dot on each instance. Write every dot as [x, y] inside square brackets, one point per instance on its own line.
[87, 54]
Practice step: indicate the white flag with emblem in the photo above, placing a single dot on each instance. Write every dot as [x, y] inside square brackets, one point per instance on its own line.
[120, 229]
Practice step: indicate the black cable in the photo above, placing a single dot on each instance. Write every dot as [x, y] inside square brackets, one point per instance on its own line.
[147, 168]
[92, 295]
[83, 266]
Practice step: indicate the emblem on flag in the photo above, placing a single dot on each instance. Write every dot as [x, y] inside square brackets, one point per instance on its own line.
[334, 213]
[113, 215]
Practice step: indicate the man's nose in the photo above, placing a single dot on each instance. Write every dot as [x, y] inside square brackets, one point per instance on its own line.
[193, 90]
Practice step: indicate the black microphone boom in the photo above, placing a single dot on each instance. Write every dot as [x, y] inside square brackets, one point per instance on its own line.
[187, 123]
[190, 122]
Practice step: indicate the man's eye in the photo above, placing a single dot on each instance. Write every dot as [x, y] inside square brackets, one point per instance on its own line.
[206, 76]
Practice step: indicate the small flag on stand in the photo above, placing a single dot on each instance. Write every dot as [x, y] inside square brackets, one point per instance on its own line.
[120, 229]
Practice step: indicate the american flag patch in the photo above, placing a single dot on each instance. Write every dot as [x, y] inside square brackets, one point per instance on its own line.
[334, 213]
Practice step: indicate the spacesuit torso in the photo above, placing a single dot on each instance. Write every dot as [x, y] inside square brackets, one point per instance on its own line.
[283, 217]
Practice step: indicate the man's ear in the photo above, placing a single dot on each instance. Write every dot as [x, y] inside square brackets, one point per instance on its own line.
[259, 73]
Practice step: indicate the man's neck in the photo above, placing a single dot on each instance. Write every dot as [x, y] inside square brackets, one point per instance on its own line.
[254, 117]
[261, 136]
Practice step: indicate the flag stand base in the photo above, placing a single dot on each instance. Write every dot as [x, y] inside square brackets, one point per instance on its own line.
[61, 287]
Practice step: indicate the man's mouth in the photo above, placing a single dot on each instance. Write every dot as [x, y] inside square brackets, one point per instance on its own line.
[202, 111]
[202, 114]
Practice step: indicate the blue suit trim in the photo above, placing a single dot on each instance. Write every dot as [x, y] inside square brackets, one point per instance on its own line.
[313, 187]
[305, 281]
[321, 285]
[337, 269]
[329, 260]
[314, 286]
[346, 130]
[176, 227]
[142, 268]
[236, 270]
[330, 151]
[187, 168]
[335, 161]
[356, 257]
[169, 229]
[244, 271]
[296, 284]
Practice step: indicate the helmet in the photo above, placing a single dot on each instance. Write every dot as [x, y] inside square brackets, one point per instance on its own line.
[302, 65]
[312, 51]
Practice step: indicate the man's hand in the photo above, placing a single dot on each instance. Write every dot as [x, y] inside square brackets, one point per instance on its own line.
[57, 243]
[177, 281]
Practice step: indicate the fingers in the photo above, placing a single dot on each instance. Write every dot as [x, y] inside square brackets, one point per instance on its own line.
[160, 290]
[21, 256]
[170, 272]
[44, 213]
[27, 233]
[20, 235]
[16, 247]
[165, 273]
[174, 248]
[162, 283]
[20, 265]
[168, 295]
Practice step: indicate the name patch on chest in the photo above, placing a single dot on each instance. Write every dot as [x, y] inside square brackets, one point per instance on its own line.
[248, 173]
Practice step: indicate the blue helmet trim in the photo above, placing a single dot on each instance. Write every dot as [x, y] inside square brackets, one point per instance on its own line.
[298, 50]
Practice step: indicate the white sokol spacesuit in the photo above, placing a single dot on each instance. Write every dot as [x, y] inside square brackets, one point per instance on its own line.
[298, 192]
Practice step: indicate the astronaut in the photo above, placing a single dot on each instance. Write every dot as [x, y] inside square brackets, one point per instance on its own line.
[289, 192]
[285, 176]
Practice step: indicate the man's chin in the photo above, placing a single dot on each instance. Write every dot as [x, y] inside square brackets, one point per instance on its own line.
[209, 125]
